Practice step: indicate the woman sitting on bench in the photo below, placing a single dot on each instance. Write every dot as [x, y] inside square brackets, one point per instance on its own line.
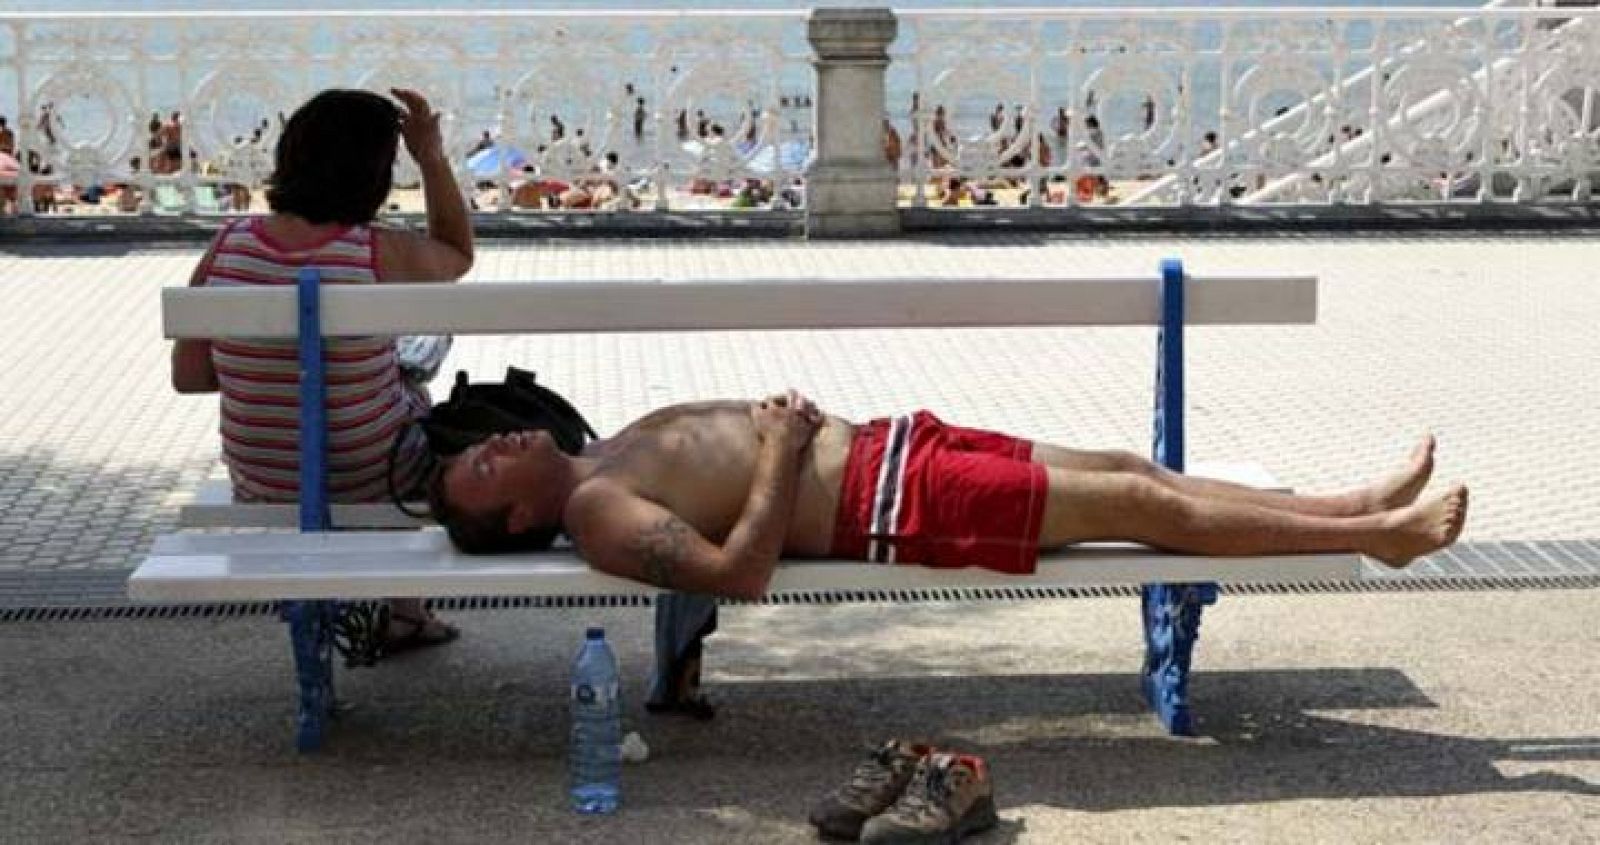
[333, 173]
[706, 498]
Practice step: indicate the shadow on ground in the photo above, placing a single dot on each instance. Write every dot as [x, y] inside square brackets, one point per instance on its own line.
[177, 729]
[61, 512]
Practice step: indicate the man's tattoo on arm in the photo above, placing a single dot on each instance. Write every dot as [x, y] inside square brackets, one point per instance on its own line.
[662, 546]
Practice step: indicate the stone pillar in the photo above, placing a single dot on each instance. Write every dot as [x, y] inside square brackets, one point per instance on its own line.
[850, 186]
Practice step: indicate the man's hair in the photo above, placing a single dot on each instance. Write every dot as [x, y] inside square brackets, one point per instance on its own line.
[335, 160]
[481, 533]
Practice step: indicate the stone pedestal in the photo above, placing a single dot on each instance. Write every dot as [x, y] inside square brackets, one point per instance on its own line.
[851, 187]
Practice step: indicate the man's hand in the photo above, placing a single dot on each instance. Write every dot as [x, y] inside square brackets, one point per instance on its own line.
[788, 420]
[419, 125]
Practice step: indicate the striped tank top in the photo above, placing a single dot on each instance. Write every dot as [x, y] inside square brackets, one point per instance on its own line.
[368, 401]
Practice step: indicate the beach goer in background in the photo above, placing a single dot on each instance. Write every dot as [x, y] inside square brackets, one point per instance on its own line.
[484, 142]
[48, 121]
[639, 116]
[1061, 125]
[8, 145]
[940, 130]
[158, 162]
[172, 142]
[333, 171]
[128, 194]
[913, 144]
[891, 143]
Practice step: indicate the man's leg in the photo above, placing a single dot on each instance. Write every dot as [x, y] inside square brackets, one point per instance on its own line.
[1396, 491]
[1086, 505]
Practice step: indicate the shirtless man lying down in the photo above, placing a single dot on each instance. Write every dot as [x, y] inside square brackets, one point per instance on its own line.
[706, 497]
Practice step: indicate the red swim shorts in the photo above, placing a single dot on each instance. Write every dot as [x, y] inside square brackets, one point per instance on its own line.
[919, 491]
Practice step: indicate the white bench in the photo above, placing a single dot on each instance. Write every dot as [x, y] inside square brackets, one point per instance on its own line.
[384, 563]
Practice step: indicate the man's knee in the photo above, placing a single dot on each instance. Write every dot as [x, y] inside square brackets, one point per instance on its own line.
[1132, 462]
[1111, 506]
[1142, 507]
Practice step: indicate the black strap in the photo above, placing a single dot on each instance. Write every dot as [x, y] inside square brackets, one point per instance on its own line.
[394, 458]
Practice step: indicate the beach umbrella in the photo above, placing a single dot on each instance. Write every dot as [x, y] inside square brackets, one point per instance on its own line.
[491, 161]
[791, 155]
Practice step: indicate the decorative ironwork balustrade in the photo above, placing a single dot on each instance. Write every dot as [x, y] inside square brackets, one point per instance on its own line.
[1195, 107]
[186, 108]
[713, 109]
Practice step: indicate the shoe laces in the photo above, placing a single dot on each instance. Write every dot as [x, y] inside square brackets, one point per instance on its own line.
[929, 791]
[873, 772]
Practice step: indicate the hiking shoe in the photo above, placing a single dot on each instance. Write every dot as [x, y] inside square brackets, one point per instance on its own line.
[875, 785]
[949, 797]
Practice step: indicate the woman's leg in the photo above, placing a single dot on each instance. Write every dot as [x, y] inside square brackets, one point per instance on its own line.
[1398, 490]
[1090, 505]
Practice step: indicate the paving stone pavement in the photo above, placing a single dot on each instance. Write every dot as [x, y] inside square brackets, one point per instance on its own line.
[1488, 341]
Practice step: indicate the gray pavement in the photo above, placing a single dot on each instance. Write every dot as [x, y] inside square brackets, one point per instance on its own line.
[1448, 718]
[1370, 718]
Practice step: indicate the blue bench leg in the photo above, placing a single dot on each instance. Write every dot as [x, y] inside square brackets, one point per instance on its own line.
[1171, 627]
[311, 633]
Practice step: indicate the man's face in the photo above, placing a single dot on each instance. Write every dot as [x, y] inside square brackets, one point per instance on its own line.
[510, 473]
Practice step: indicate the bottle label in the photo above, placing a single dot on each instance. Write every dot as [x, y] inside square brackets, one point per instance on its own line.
[587, 694]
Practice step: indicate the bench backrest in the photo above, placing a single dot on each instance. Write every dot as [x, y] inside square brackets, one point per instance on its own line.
[537, 307]
[311, 312]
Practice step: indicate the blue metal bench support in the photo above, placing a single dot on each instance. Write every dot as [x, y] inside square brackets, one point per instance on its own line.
[1171, 612]
[311, 635]
[311, 622]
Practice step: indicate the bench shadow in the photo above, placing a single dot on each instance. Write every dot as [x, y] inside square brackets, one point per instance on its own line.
[1082, 742]
[1087, 742]
[69, 513]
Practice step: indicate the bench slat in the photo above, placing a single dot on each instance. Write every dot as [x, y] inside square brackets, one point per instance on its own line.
[512, 308]
[357, 565]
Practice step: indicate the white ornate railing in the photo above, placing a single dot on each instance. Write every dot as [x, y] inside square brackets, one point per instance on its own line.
[1219, 106]
[559, 90]
[1189, 107]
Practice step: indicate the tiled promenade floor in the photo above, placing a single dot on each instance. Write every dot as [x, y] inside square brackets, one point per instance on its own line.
[1489, 342]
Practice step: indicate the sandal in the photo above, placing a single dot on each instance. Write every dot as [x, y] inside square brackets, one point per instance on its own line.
[425, 632]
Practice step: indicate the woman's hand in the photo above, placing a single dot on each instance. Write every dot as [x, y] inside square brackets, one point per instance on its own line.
[419, 125]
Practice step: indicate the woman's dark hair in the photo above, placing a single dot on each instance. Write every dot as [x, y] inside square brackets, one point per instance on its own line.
[481, 533]
[335, 160]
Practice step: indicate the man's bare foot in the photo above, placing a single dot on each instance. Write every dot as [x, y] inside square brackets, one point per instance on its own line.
[1403, 487]
[1422, 528]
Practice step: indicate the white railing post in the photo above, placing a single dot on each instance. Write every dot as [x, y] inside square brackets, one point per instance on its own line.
[851, 186]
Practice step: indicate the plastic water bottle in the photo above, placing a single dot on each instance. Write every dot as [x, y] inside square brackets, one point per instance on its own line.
[594, 757]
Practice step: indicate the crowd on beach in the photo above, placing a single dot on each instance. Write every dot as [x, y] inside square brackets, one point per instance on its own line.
[929, 146]
[1059, 154]
[163, 155]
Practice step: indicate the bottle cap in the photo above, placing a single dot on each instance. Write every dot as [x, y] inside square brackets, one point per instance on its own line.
[596, 633]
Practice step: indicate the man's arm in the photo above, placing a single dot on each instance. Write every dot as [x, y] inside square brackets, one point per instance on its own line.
[623, 534]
